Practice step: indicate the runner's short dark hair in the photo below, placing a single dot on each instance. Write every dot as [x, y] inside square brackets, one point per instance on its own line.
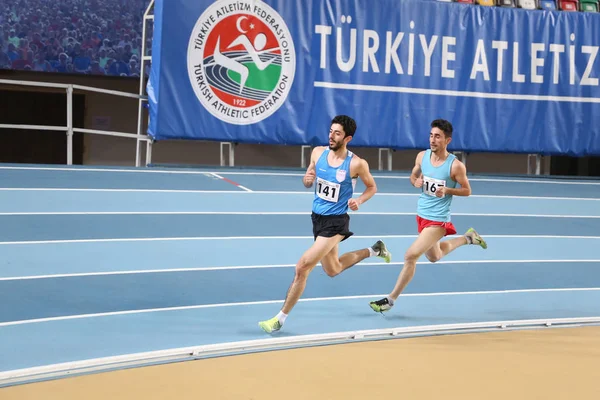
[443, 125]
[346, 122]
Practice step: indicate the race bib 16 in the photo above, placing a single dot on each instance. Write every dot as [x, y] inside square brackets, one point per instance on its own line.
[431, 185]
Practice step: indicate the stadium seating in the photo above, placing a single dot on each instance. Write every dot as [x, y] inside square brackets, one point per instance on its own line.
[506, 3]
[548, 4]
[568, 5]
[588, 5]
[528, 4]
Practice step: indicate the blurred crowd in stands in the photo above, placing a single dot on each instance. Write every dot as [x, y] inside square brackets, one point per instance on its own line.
[95, 37]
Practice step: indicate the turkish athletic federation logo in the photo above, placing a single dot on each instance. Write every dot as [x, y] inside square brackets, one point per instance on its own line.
[241, 61]
[340, 175]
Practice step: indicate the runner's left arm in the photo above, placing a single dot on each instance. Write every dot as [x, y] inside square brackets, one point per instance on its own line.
[460, 175]
[365, 176]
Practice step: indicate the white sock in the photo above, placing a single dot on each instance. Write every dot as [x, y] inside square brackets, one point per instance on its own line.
[373, 253]
[281, 317]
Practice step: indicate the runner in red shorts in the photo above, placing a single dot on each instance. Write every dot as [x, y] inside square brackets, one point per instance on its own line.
[437, 172]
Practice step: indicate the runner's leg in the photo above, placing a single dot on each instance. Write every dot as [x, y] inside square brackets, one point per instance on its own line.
[306, 263]
[427, 238]
[334, 265]
[441, 249]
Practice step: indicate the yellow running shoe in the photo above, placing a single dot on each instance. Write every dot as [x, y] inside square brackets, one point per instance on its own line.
[270, 325]
[474, 238]
[384, 253]
[382, 305]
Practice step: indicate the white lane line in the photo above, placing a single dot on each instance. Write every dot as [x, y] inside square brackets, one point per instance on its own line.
[522, 215]
[269, 266]
[274, 173]
[253, 303]
[193, 238]
[282, 192]
[230, 181]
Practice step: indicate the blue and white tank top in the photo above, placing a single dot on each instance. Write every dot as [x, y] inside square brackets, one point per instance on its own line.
[429, 206]
[333, 186]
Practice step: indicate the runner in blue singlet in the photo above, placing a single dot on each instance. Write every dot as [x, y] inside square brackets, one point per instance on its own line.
[334, 186]
[437, 173]
[333, 170]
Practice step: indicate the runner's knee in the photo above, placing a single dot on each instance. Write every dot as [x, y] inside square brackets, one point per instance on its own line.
[411, 256]
[433, 257]
[331, 266]
[304, 266]
[332, 269]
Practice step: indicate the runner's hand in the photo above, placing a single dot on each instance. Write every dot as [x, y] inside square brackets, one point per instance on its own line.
[309, 178]
[353, 204]
[441, 191]
[419, 182]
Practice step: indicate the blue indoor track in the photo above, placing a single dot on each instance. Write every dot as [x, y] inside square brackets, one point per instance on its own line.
[99, 263]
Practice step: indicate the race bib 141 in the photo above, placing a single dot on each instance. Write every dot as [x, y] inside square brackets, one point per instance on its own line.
[328, 191]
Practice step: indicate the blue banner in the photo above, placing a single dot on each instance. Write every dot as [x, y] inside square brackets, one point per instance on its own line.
[277, 71]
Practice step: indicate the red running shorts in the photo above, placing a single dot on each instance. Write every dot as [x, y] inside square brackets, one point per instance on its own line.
[423, 223]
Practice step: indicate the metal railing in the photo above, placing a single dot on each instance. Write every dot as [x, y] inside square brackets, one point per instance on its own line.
[69, 129]
[143, 98]
[538, 164]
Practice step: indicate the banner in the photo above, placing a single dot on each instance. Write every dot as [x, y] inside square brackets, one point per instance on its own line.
[278, 71]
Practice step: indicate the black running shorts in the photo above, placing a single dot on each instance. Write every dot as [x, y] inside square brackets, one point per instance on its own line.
[331, 225]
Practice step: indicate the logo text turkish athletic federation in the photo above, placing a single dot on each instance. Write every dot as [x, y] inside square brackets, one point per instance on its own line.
[241, 61]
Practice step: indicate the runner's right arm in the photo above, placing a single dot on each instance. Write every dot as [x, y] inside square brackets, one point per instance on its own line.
[416, 177]
[309, 177]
